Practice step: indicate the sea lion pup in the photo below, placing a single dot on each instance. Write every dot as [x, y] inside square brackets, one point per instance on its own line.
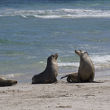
[6, 82]
[86, 69]
[49, 74]
[71, 78]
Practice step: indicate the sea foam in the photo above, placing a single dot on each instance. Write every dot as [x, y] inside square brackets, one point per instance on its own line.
[100, 62]
[57, 13]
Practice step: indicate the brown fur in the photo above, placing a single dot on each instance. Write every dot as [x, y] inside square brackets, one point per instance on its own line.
[71, 78]
[86, 71]
[6, 82]
[49, 74]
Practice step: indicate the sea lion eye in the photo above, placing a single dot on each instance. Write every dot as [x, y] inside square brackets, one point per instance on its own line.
[86, 52]
[80, 50]
[52, 56]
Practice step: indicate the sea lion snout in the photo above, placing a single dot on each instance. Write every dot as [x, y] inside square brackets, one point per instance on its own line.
[15, 82]
[12, 82]
[53, 57]
[56, 56]
[6, 82]
[78, 52]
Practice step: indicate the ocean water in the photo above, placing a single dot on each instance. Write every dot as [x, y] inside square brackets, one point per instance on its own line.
[31, 30]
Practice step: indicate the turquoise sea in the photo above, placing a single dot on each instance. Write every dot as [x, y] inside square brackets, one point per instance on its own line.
[31, 30]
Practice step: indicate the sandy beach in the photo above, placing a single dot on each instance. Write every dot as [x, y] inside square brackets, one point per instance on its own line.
[33, 30]
[59, 96]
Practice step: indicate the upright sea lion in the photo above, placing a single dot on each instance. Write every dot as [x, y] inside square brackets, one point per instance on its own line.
[6, 82]
[49, 74]
[86, 69]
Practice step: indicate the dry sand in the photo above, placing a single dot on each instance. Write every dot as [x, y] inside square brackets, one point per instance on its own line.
[59, 96]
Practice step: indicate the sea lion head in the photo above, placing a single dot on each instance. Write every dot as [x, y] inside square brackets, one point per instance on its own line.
[52, 58]
[52, 64]
[80, 53]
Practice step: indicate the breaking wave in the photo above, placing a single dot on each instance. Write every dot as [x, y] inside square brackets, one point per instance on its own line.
[100, 62]
[58, 13]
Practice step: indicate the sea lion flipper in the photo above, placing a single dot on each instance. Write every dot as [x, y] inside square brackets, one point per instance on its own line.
[64, 76]
[71, 78]
[96, 82]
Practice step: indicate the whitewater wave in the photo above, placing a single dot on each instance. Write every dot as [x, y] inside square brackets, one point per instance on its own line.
[74, 64]
[12, 75]
[100, 62]
[58, 13]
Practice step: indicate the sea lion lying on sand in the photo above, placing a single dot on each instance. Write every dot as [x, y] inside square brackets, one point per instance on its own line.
[86, 71]
[6, 82]
[49, 74]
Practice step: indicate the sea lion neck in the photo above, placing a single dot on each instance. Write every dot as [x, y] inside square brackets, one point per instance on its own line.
[49, 63]
[51, 66]
[83, 56]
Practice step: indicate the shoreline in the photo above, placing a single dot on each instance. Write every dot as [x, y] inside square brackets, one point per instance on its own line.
[27, 78]
[57, 96]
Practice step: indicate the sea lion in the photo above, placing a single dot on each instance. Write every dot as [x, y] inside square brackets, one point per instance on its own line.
[86, 71]
[49, 74]
[6, 82]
